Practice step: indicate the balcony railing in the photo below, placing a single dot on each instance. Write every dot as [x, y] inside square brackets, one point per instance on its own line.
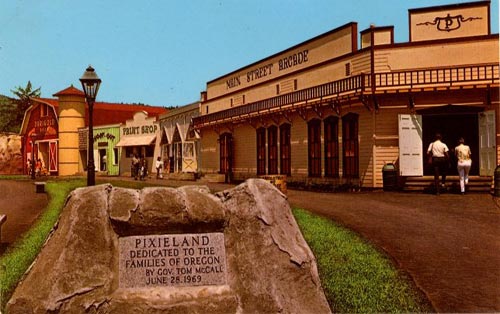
[487, 74]
[359, 84]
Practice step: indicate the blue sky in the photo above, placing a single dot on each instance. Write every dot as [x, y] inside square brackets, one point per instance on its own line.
[162, 52]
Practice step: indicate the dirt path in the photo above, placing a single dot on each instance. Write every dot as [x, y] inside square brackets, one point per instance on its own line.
[450, 244]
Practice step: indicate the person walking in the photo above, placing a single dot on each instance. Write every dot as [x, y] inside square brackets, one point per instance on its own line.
[438, 151]
[464, 163]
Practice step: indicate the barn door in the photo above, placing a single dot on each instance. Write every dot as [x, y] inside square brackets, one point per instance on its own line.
[410, 145]
[487, 147]
[52, 156]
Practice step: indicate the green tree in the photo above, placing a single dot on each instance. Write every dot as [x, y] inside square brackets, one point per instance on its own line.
[23, 102]
[8, 110]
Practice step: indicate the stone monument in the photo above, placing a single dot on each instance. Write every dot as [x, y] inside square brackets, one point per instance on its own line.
[166, 250]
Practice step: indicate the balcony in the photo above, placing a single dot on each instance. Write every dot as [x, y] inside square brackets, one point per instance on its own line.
[449, 77]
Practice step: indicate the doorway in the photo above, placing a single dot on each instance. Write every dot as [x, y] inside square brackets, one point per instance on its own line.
[452, 122]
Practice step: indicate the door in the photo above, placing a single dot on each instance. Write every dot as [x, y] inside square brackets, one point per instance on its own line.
[226, 155]
[410, 145]
[52, 156]
[189, 157]
[103, 160]
[487, 143]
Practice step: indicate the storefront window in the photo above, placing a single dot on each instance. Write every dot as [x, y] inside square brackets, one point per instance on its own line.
[272, 146]
[314, 145]
[350, 145]
[285, 149]
[261, 151]
[331, 147]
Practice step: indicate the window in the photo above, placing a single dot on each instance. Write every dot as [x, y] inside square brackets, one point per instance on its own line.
[115, 156]
[272, 149]
[285, 149]
[261, 151]
[277, 89]
[347, 69]
[314, 147]
[44, 110]
[350, 145]
[331, 147]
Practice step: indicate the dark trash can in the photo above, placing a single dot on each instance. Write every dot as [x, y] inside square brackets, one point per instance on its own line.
[496, 190]
[390, 177]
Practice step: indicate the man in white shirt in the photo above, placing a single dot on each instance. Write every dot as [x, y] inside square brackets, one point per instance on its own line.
[440, 161]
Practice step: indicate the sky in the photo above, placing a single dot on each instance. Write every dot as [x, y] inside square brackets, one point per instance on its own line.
[163, 52]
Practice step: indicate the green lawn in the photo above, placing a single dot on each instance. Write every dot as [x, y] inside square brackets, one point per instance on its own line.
[355, 276]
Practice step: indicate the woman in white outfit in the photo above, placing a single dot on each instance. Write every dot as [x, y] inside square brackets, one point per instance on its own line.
[463, 154]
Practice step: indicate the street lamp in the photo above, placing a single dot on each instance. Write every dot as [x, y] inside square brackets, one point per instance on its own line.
[90, 83]
[33, 137]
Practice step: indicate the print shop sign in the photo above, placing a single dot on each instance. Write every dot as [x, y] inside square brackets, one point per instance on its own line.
[140, 130]
[284, 63]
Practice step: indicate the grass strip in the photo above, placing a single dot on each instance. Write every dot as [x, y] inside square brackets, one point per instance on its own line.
[19, 256]
[357, 278]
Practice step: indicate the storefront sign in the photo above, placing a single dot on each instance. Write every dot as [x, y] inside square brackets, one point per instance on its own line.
[42, 125]
[139, 130]
[263, 71]
[103, 135]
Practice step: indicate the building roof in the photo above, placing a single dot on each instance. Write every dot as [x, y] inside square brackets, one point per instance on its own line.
[70, 91]
[106, 113]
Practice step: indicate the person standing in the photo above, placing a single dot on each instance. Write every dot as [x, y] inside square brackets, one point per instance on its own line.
[438, 151]
[158, 166]
[135, 167]
[464, 163]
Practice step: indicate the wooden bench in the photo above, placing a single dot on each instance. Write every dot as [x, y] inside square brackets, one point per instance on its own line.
[3, 219]
[40, 187]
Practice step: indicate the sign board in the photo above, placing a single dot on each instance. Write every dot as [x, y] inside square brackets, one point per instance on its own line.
[172, 260]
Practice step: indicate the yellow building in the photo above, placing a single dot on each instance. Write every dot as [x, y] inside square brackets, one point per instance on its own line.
[334, 111]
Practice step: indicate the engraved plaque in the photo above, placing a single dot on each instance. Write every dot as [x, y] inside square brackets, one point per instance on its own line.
[172, 260]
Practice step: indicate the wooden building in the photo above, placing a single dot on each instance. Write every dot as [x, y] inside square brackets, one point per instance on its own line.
[54, 131]
[179, 142]
[332, 110]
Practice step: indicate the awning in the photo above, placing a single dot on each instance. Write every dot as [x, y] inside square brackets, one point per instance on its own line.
[137, 140]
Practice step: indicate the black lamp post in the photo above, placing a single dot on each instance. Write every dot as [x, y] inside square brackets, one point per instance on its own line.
[33, 137]
[90, 83]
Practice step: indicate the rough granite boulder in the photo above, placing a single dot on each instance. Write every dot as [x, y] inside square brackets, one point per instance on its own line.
[11, 160]
[269, 266]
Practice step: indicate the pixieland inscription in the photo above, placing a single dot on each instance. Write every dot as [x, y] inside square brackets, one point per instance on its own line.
[172, 260]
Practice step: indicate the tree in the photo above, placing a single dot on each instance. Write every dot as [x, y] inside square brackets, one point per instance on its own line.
[8, 110]
[23, 102]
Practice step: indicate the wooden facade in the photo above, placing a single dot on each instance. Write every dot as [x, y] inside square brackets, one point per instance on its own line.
[343, 108]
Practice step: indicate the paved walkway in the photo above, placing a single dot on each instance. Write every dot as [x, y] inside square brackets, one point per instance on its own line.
[22, 206]
[450, 244]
